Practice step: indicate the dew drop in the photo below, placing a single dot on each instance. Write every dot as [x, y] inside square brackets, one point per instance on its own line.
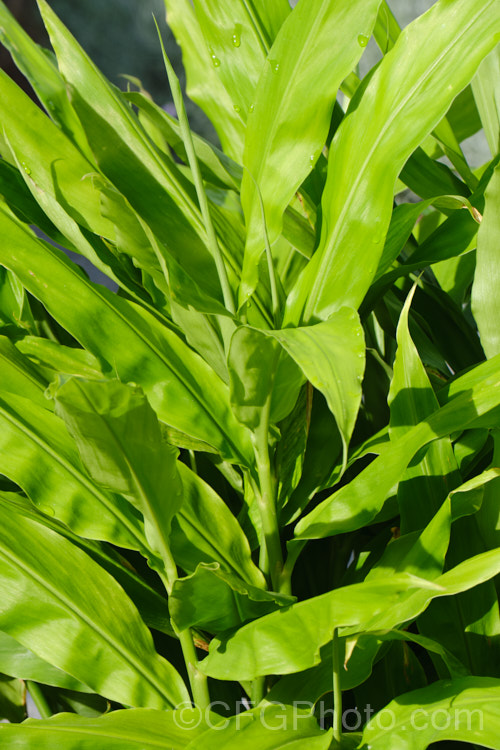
[237, 35]
[215, 60]
[252, 107]
[237, 108]
[362, 40]
[275, 66]
[26, 168]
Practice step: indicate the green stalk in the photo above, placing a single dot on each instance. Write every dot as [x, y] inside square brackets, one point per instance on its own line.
[39, 699]
[257, 691]
[187, 137]
[197, 680]
[294, 550]
[266, 498]
[337, 692]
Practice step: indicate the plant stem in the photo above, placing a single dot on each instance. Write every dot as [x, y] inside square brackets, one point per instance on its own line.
[267, 500]
[294, 550]
[257, 692]
[337, 691]
[39, 699]
[197, 680]
[187, 137]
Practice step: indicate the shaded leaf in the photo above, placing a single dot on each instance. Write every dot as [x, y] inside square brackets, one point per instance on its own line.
[214, 600]
[119, 440]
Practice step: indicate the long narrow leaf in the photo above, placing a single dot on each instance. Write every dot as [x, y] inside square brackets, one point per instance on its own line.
[374, 142]
[134, 729]
[296, 94]
[59, 603]
[129, 340]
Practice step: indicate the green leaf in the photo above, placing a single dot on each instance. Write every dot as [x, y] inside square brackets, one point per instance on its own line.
[463, 115]
[428, 178]
[217, 168]
[48, 613]
[20, 662]
[50, 159]
[52, 357]
[15, 308]
[466, 709]
[153, 185]
[358, 655]
[205, 531]
[258, 370]
[128, 341]
[351, 507]
[151, 605]
[12, 699]
[238, 44]
[16, 194]
[21, 376]
[268, 728]
[424, 554]
[43, 75]
[214, 600]
[119, 440]
[331, 356]
[485, 302]
[486, 91]
[203, 84]
[33, 444]
[488, 517]
[289, 641]
[411, 399]
[376, 139]
[133, 729]
[296, 94]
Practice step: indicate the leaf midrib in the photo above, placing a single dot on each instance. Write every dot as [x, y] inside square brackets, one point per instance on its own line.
[73, 471]
[157, 353]
[69, 606]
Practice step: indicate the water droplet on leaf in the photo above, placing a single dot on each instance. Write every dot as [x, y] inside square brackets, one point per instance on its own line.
[26, 169]
[237, 108]
[252, 107]
[237, 35]
[362, 40]
[215, 60]
[275, 66]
